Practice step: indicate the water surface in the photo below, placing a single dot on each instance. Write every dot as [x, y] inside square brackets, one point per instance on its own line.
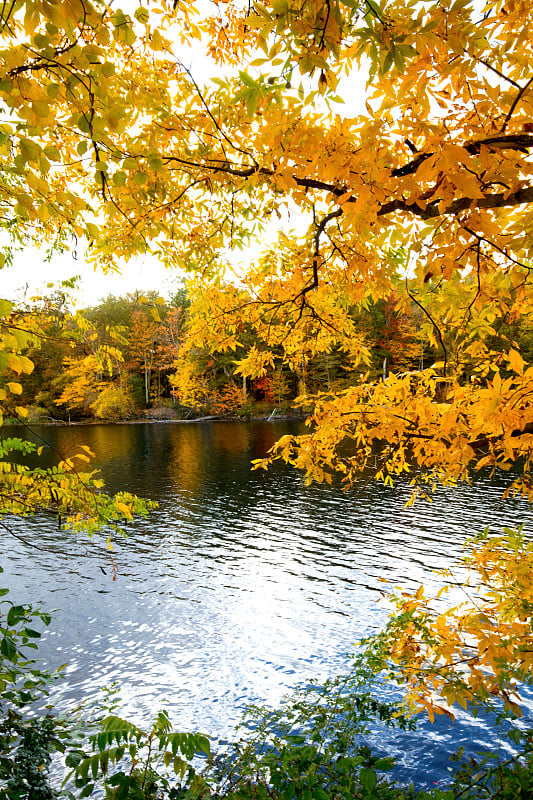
[241, 583]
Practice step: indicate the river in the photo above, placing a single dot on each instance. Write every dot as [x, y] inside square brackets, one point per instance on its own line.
[241, 583]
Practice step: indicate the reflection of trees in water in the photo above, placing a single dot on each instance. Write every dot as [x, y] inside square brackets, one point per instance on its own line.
[155, 459]
[207, 457]
[107, 442]
[232, 438]
[188, 459]
[267, 434]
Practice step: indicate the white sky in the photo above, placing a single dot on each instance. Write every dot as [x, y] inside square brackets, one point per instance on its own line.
[31, 273]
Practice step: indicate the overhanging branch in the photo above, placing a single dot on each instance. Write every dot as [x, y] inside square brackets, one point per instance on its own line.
[433, 210]
[521, 142]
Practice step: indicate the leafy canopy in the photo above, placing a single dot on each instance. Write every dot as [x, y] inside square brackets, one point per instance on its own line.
[426, 195]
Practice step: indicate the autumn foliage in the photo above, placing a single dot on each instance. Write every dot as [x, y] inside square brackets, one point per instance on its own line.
[381, 154]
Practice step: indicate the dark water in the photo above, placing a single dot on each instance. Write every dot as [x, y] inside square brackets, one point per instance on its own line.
[241, 583]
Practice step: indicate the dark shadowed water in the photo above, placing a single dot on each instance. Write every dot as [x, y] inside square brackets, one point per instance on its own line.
[241, 583]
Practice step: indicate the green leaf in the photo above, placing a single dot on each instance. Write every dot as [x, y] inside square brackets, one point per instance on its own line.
[29, 150]
[119, 178]
[83, 124]
[384, 764]
[203, 744]
[74, 758]
[52, 152]
[140, 178]
[83, 768]
[107, 69]
[104, 762]
[251, 100]
[142, 15]
[95, 764]
[119, 18]
[248, 81]
[31, 634]
[5, 308]
[368, 779]
[387, 63]
[41, 40]
[15, 614]
[8, 648]
[155, 163]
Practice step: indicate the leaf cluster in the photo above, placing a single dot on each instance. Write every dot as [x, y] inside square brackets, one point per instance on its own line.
[136, 763]
[27, 740]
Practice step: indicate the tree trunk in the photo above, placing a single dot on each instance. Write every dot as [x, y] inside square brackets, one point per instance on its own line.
[146, 381]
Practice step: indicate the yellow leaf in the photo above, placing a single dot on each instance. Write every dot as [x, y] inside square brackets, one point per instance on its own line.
[125, 510]
[516, 362]
[14, 363]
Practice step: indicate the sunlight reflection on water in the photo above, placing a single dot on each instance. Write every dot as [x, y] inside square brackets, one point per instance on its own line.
[241, 583]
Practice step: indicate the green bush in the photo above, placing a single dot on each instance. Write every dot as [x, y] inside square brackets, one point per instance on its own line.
[27, 739]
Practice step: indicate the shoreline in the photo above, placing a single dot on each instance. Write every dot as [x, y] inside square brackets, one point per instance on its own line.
[148, 421]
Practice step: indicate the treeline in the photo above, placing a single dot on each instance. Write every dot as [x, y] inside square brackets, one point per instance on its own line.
[131, 357]
[110, 361]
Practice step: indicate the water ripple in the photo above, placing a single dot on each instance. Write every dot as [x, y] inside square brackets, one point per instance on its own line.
[239, 584]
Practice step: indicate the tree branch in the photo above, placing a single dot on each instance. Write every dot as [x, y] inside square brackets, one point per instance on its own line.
[461, 204]
[516, 141]
[521, 142]
[483, 441]
[515, 103]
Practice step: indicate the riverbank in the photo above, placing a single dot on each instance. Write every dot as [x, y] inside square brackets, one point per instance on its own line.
[160, 414]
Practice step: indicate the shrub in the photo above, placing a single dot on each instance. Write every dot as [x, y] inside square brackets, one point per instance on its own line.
[114, 402]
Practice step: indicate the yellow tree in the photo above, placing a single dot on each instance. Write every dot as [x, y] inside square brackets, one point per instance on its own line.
[82, 379]
[68, 488]
[108, 135]
[142, 347]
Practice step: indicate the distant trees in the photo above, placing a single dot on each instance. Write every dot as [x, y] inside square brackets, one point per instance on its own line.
[129, 353]
[109, 360]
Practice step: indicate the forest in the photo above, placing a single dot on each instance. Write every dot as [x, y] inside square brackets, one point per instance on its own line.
[348, 187]
[131, 357]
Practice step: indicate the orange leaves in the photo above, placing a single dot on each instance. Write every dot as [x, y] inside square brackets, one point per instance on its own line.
[405, 419]
[472, 652]
[516, 362]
